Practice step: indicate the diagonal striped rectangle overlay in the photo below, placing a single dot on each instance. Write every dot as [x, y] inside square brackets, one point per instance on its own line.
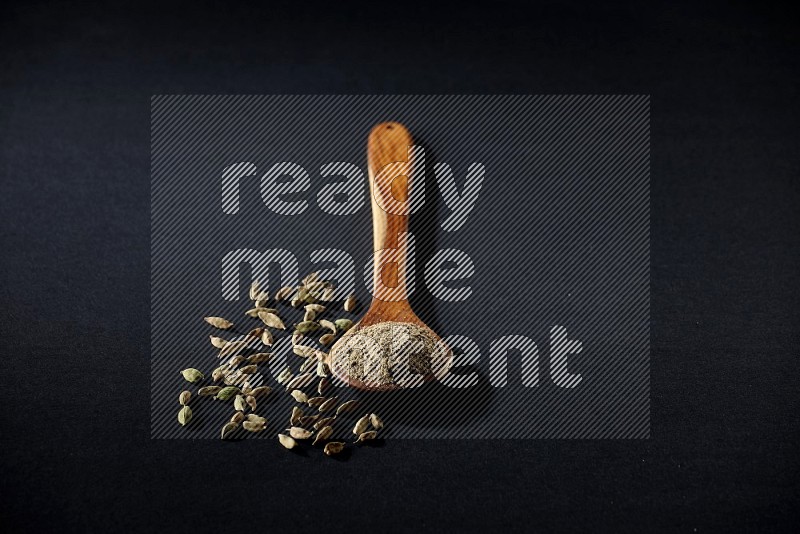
[531, 251]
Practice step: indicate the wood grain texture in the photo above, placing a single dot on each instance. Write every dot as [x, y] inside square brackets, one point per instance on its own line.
[390, 188]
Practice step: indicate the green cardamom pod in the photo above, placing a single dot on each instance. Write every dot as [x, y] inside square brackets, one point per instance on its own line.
[306, 327]
[227, 393]
[185, 415]
[208, 391]
[343, 324]
[192, 375]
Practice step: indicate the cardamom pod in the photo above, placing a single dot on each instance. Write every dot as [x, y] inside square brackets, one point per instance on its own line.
[192, 375]
[252, 427]
[229, 429]
[375, 421]
[254, 290]
[328, 405]
[184, 397]
[316, 308]
[366, 436]
[185, 415]
[283, 293]
[249, 369]
[299, 396]
[328, 421]
[251, 401]
[343, 324]
[330, 325]
[296, 302]
[308, 420]
[227, 392]
[253, 418]
[350, 303]
[346, 407]
[328, 294]
[334, 447]
[239, 403]
[253, 312]
[323, 434]
[316, 401]
[231, 348]
[271, 320]
[218, 374]
[256, 332]
[361, 425]
[297, 337]
[285, 375]
[299, 433]
[238, 417]
[235, 361]
[308, 365]
[297, 413]
[310, 315]
[218, 342]
[266, 338]
[261, 391]
[287, 441]
[327, 339]
[300, 381]
[306, 326]
[323, 385]
[208, 391]
[260, 357]
[322, 369]
[218, 322]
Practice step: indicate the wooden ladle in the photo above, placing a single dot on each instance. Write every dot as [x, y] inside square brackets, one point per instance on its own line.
[390, 161]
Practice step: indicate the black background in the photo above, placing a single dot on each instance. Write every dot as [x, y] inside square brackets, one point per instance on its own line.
[74, 136]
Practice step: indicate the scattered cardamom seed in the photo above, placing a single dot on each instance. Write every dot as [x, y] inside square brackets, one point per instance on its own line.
[343, 324]
[328, 405]
[218, 342]
[218, 322]
[227, 392]
[261, 391]
[229, 429]
[297, 413]
[308, 420]
[346, 407]
[306, 327]
[350, 303]
[361, 425]
[366, 436]
[283, 293]
[249, 369]
[375, 421]
[323, 434]
[328, 421]
[333, 447]
[185, 415]
[323, 385]
[287, 441]
[300, 381]
[285, 375]
[271, 320]
[208, 391]
[192, 375]
[184, 397]
[260, 357]
[253, 427]
[299, 433]
[316, 401]
[299, 396]
[266, 338]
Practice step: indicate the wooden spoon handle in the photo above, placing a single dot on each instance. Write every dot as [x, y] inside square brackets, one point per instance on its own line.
[390, 178]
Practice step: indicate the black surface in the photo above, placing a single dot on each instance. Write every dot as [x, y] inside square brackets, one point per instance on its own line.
[74, 155]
